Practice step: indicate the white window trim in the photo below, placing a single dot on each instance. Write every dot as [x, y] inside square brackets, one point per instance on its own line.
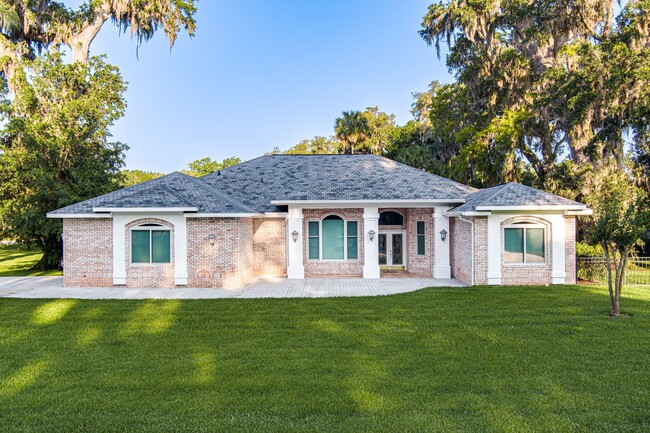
[523, 224]
[345, 239]
[145, 227]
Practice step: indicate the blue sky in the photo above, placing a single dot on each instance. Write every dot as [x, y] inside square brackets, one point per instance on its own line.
[260, 74]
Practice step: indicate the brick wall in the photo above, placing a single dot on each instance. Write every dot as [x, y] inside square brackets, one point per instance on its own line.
[460, 236]
[87, 252]
[148, 274]
[347, 267]
[480, 250]
[415, 264]
[570, 248]
[527, 274]
[229, 262]
[269, 247]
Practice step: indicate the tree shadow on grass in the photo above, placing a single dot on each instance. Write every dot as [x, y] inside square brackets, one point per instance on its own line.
[459, 359]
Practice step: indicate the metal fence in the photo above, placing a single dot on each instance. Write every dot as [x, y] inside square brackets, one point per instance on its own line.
[594, 269]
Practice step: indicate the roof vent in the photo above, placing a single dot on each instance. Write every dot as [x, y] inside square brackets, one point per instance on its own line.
[218, 172]
[262, 179]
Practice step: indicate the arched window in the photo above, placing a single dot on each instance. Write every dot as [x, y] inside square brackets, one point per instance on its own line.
[524, 242]
[333, 238]
[390, 218]
[150, 243]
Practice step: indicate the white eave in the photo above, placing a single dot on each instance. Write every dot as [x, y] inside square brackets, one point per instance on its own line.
[79, 215]
[317, 204]
[532, 207]
[144, 209]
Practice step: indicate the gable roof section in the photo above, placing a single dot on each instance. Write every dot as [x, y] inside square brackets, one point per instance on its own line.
[270, 178]
[173, 191]
[514, 195]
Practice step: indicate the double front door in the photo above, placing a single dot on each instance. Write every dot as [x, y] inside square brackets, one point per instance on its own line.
[391, 249]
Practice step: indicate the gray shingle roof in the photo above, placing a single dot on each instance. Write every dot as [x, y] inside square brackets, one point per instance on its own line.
[330, 177]
[512, 194]
[172, 190]
[251, 186]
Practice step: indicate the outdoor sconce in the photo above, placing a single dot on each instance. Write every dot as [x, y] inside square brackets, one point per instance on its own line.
[294, 235]
[443, 234]
[371, 233]
[212, 238]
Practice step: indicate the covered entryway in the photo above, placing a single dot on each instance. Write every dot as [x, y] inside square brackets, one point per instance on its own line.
[392, 254]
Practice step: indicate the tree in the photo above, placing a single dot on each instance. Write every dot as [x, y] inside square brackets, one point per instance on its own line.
[134, 177]
[203, 166]
[621, 217]
[317, 145]
[351, 129]
[545, 81]
[55, 145]
[30, 27]
[380, 128]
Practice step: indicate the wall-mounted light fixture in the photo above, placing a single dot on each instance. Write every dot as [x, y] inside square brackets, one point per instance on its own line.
[294, 235]
[443, 234]
[371, 234]
[212, 238]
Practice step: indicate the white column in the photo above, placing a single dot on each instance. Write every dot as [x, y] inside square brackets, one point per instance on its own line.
[180, 250]
[295, 264]
[119, 249]
[441, 263]
[371, 247]
[558, 253]
[493, 250]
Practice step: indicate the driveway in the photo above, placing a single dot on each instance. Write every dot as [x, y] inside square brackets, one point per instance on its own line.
[52, 287]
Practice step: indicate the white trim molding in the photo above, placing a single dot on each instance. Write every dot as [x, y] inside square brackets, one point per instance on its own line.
[79, 215]
[144, 209]
[370, 248]
[441, 249]
[295, 263]
[332, 204]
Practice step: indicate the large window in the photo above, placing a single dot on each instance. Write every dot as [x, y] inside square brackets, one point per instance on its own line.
[150, 243]
[524, 243]
[333, 238]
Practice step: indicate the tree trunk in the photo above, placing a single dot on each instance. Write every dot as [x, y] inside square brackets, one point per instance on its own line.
[610, 283]
[52, 255]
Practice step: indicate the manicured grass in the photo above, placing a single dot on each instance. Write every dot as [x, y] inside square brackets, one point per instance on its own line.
[17, 262]
[445, 359]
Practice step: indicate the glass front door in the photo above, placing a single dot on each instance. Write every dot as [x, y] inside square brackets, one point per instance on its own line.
[391, 249]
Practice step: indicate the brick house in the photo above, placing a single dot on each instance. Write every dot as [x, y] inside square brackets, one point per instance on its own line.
[301, 216]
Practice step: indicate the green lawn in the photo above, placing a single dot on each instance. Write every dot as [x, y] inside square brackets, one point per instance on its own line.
[461, 359]
[17, 262]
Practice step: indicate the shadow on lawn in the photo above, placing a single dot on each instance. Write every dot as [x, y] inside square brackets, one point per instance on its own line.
[463, 359]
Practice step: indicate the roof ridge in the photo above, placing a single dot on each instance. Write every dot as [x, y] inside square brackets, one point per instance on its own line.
[427, 172]
[218, 193]
[178, 196]
[498, 190]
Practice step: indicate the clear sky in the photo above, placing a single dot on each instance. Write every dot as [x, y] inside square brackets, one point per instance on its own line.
[260, 74]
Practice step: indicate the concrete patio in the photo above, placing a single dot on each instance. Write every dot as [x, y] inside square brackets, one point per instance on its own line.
[52, 287]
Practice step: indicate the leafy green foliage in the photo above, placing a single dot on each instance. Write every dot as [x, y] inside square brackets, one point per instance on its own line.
[621, 217]
[317, 145]
[134, 177]
[203, 166]
[585, 250]
[55, 144]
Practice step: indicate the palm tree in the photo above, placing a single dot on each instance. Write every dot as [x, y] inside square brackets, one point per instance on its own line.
[351, 129]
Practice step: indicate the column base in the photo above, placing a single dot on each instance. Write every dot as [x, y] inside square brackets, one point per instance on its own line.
[371, 272]
[296, 272]
[442, 271]
[119, 281]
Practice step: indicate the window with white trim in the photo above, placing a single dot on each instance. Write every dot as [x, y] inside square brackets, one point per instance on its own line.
[524, 242]
[333, 238]
[420, 237]
[150, 243]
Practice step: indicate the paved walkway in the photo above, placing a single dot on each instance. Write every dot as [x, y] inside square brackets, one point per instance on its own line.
[52, 287]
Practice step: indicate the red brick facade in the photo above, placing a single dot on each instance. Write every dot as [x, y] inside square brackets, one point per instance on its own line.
[570, 248]
[88, 252]
[269, 247]
[515, 274]
[229, 262]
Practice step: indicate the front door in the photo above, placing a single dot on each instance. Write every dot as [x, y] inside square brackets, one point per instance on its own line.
[391, 249]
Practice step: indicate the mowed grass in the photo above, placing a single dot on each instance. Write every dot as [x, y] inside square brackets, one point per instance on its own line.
[440, 359]
[17, 262]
